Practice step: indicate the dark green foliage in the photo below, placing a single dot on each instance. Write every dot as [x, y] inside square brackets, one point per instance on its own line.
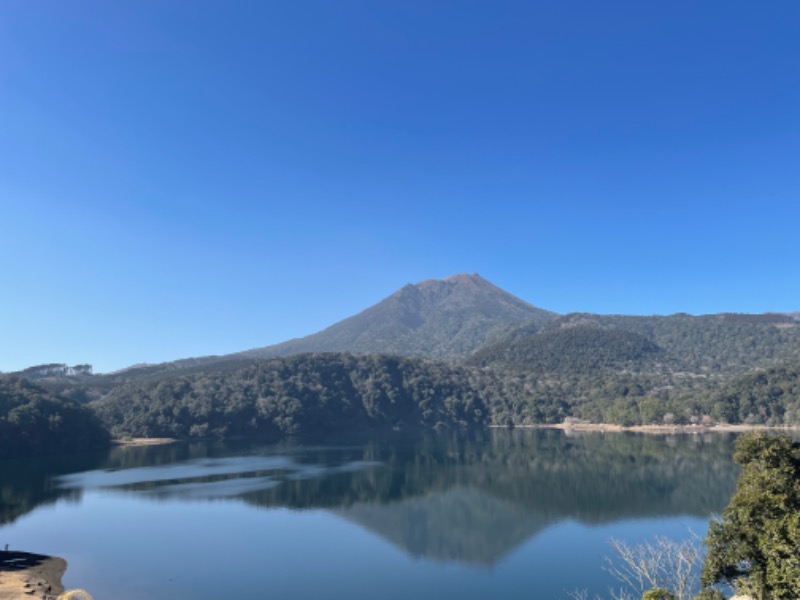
[658, 594]
[319, 392]
[771, 397]
[756, 544]
[576, 349]
[34, 422]
[640, 370]
[710, 594]
[728, 344]
[710, 344]
[623, 370]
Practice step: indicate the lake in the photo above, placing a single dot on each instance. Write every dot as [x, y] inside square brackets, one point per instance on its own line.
[485, 514]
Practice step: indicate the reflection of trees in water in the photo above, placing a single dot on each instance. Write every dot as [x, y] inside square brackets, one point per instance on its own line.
[474, 497]
[26, 484]
[593, 477]
[437, 494]
[32, 482]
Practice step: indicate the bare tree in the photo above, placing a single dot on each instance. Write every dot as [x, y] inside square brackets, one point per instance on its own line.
[661, 563]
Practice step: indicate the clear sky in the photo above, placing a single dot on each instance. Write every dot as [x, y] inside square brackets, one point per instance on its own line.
[180, 178]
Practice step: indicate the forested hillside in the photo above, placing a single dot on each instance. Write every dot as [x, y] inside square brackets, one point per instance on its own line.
[505, 363]
[725, 344]
[34, 422]
[304, 393]
[637, 370]
[578, 349]
[325, 392]
[771, 396]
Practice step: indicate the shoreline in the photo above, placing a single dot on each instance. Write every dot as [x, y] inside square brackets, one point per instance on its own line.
[653, 429]
[28, 575]
[142, 441]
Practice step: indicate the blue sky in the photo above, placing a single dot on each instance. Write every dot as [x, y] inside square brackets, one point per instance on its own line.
[180, 178]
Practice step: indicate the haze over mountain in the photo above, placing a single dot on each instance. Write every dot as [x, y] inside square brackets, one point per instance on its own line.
[438, 318]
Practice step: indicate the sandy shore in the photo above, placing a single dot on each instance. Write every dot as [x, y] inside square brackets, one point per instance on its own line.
[723, 428]
[669, 428]
[143, 441]
[25, 575]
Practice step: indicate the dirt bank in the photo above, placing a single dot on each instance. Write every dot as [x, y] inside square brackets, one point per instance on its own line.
[26, 575]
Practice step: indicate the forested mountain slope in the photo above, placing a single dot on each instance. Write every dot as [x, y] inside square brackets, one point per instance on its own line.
[303, 393]
[724, 344]
[771, 396]
[575, 349]
[441, 319]
[519, 365]
[32, 421]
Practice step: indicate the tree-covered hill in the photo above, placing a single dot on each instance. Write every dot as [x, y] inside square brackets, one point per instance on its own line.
[315, 393]
[303, 393]
[578, 349]
[32, 421]
[771, 396]
[632, 370]
[725, 344]
[508, 363]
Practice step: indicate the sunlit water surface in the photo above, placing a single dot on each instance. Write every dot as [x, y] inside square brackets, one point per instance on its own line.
[499, 514]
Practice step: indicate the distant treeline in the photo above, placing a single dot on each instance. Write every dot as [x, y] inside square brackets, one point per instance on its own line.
[324, 392]
[304, 393]
[613, 369]
[32, 421]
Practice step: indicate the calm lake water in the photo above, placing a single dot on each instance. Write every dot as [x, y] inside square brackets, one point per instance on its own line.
[492, 514]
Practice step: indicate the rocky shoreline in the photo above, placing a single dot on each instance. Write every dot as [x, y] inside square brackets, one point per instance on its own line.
[27, 575]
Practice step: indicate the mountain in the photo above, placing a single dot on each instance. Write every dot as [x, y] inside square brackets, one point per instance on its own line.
[725, 344]
[439, 318]
[458, 352]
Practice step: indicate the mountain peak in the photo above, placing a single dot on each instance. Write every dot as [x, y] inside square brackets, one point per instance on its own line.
[436, 318]
[466, 277]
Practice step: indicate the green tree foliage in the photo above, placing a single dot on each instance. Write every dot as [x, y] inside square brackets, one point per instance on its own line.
[303, 393]
[658, 594]
[34, 422]
[641, 370]
[771, 397]
[756, 544]
[625, 370]
[575, 349]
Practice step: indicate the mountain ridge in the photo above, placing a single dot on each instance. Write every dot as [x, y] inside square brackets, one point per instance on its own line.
[435, 318]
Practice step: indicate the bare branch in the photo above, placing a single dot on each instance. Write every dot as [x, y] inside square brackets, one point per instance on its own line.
[661, 563]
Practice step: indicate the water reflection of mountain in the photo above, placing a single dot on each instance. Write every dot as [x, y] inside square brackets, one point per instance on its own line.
[473, 498]
[594, 478]
[460, 524]
[469, 497]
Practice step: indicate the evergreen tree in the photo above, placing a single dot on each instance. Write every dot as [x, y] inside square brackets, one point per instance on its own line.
[756, 544]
